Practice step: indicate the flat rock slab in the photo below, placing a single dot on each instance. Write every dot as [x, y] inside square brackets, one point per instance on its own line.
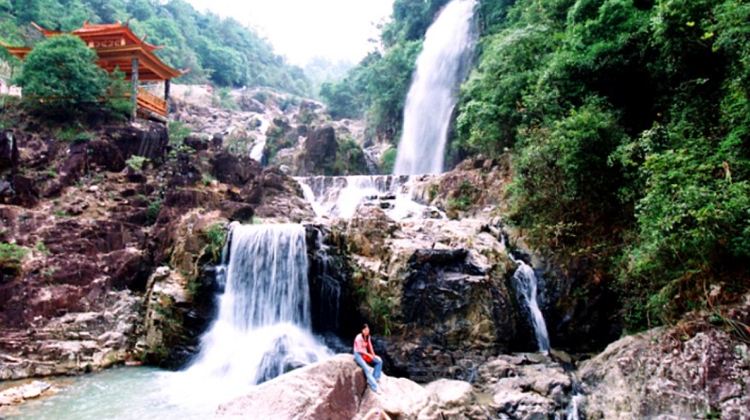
[18, 394]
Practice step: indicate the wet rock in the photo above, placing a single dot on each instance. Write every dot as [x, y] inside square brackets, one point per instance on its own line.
[319, 150]
[240, 212]
[147, 139]
[180, 300]
[8, 150]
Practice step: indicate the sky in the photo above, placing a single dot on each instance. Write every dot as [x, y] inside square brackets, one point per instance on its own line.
[304, 29]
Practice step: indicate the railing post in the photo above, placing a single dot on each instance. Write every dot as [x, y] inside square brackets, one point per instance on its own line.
[134, 82]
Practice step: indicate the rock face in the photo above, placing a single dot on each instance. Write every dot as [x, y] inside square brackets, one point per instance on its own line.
[694, 370]
[73, 343]
[179, 302]
[89, 231]
[438, 291]
[275, 129]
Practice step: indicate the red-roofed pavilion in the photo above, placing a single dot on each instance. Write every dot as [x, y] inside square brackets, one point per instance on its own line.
[118, 47]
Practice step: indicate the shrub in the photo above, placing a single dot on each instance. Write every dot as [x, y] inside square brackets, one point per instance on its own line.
[73, 135]
[216, 235]
[388, 160]
[42, 248]
[350, 159]
[61, 75]
[152, 211]
[177, 132]
[11, 256]
[223, 99]
[136, 162]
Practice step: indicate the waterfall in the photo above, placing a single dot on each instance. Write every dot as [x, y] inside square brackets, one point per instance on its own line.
[441, 66]
[526, 283]
[263, 327]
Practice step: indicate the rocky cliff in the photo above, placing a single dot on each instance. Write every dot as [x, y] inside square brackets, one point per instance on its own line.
[89, 214]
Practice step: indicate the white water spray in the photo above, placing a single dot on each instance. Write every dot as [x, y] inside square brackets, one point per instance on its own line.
[441, 66]
[341, 196]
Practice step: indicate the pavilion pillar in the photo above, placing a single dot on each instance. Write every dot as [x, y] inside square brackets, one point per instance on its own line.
[167, 84]
[134, 83]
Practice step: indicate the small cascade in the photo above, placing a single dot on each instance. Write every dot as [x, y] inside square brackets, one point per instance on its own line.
[330, 289]
[441, 67]
[263, 328]
[526, 282]
[574, 408]
[340, 196]
[256, 151]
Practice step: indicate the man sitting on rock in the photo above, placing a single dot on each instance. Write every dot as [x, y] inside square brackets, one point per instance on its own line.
[364, 354]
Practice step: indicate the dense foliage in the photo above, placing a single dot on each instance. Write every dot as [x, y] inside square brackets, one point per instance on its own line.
[60, 78]
[213, 49]
[63, 72]
[629, 126]
[378, 85]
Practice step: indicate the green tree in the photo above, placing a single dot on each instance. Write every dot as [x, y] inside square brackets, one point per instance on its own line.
[63, 74]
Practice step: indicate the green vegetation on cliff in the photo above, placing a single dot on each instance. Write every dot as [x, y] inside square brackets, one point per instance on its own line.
[213, 49]
[629, 123]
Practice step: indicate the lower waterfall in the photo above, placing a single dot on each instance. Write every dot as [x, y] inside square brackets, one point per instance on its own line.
[263, 327]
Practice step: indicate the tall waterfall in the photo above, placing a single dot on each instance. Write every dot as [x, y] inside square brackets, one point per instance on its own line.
[263, 327]
[441, 67]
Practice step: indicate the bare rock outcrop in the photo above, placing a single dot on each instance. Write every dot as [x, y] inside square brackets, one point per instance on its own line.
[438, 289]
[694, 370]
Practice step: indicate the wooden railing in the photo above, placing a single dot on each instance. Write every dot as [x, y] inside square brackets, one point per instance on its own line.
[151, 102]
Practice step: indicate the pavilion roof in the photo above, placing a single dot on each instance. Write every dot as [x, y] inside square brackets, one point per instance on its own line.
[117, 46]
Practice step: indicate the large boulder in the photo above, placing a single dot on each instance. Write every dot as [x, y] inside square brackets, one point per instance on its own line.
[230, 169]
[319, 151]
[693, 370]
[336, 389]
[524, 386]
